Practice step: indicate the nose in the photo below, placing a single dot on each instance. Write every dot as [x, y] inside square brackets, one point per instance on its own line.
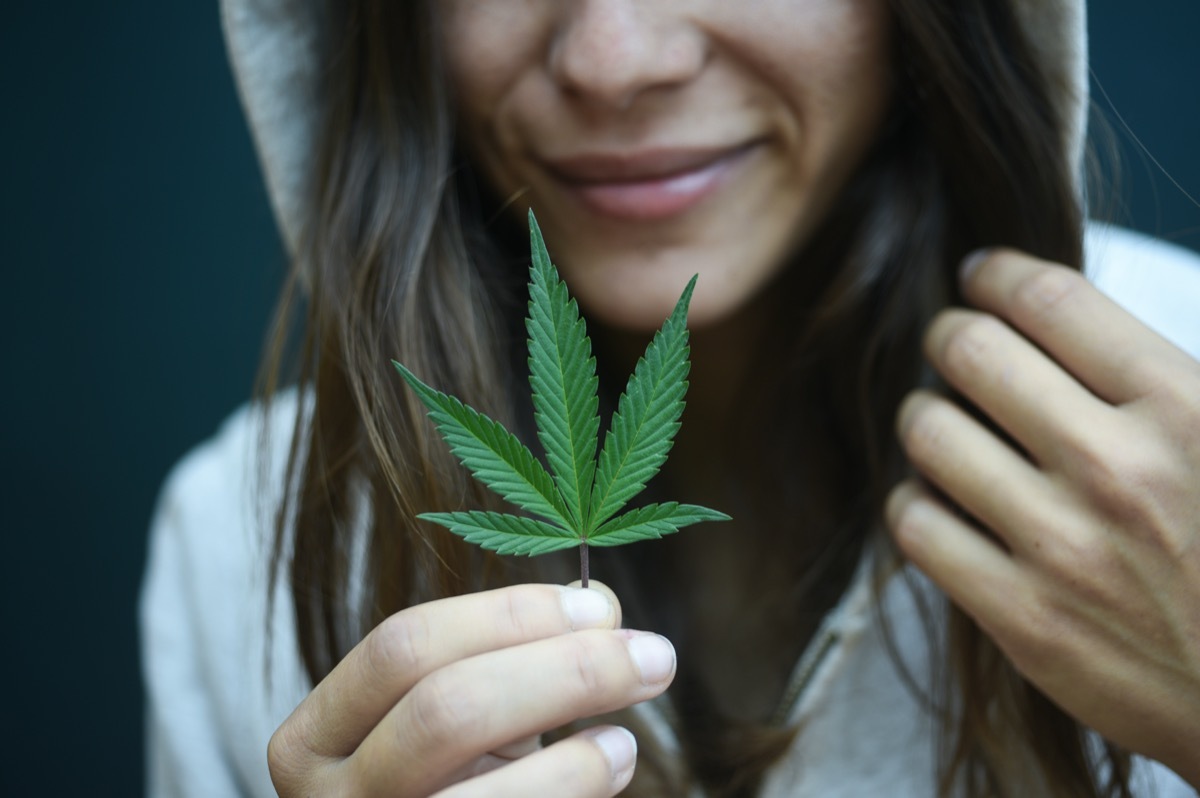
[608, 52]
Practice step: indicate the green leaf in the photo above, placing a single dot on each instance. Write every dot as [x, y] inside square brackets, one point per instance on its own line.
[647, 418]
[562, 376]
[493, 454]
[505, 534]
[651, 521]
[577, 498]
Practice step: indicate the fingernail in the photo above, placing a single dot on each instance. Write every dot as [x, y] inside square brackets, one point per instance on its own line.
[586, 609]
[971, 263]
[619, 747]
[654, 657]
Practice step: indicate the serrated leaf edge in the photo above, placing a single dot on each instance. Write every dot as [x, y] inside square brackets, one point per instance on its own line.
[504, 533]
[569, 523]
[651, 522]
[556, 328]
[528, 470]
[667, 351]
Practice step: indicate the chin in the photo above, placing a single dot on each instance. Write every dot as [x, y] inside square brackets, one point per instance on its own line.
[630, 277]
[638, 298]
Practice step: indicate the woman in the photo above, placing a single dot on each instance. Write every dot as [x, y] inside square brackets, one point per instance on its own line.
[825, 166]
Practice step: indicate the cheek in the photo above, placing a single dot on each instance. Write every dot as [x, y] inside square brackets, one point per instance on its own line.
[488, 46]
[856, 84]
[824, 59]
[832, 78]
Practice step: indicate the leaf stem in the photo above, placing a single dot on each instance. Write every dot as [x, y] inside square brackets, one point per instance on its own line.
[583, 563]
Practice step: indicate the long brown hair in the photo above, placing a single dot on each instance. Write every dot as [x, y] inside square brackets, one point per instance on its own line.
[400, 261]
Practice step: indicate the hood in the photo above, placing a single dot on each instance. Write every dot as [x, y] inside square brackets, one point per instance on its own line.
[274, 47]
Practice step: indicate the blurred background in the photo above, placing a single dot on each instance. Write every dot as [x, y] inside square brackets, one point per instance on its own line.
[142, 262]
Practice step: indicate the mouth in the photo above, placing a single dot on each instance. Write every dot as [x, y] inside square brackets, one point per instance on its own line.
[648, 185]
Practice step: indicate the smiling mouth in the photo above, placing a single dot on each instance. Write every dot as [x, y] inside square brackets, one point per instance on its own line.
[650, 185]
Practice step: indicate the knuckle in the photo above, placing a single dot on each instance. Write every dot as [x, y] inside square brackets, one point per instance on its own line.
[277, 755]
[924, 432]
[1127, 483]
[1092, 456]
[1043, 291]
[1035, 639]
[907, 518]
[968, 344]
[1078, 559]
[284, 758]
[442, 708]
[399, 645]
[520, 606]
[1034, 646]
[584, 656]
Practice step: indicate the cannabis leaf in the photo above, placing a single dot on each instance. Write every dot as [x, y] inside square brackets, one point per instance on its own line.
[576, 501]
[562, 376]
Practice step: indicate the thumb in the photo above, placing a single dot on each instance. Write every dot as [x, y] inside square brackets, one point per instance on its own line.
[600, 587]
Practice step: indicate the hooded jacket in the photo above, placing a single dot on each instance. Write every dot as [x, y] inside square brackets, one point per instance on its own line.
[211, 707]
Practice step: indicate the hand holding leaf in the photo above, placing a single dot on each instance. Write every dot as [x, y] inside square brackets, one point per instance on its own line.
[578, 505]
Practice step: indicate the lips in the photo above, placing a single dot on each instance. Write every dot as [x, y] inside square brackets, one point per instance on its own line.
[649, 185]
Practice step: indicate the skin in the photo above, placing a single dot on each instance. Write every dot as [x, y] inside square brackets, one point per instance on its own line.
[412, 710]
[1085, 563]
[803, 84]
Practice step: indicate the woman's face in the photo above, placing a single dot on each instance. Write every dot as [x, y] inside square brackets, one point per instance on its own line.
[657, 139]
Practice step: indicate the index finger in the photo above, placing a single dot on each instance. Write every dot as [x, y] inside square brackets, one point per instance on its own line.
[1108, 350]
[356, 695]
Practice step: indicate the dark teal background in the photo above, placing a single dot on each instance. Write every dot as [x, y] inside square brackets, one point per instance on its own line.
[139, 263]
